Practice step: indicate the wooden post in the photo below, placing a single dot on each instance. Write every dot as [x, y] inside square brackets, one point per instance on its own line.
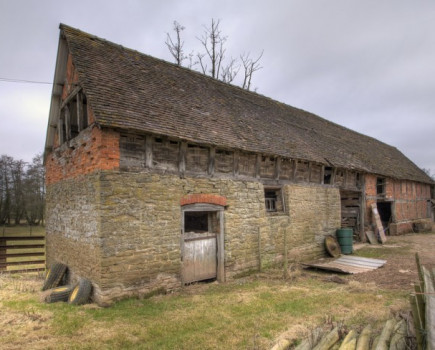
[236, 156]
[148, 151]
[211, 158]
[334, 171]
[295, 168]
[257, 166]
[277, 168]
[221, 248]
[2, 255]
[322, 175]
[79, 106]
[60, 131]
[67, 124]
[259, 249]
[309, 171]
[362, 211]
[182, 159]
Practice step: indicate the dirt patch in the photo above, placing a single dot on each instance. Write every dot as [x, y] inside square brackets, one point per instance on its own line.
[400, 271]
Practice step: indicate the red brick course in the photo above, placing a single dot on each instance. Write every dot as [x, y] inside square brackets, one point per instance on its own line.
[203, 198]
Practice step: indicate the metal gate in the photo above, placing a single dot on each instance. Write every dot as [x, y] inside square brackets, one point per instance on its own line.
[199, 258]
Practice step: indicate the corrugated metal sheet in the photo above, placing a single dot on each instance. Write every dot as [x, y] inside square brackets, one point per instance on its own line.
[349, 264]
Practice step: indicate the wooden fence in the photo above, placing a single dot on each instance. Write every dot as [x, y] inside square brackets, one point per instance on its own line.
[22, 254]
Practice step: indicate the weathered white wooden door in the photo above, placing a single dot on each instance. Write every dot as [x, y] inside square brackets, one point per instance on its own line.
[199, 256]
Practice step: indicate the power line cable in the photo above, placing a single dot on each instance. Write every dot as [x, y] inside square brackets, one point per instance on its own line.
[10, 80]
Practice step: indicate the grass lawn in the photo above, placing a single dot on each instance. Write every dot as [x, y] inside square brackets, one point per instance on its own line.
[246, 313]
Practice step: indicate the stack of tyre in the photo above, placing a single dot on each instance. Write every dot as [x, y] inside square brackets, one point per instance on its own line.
[54, 283]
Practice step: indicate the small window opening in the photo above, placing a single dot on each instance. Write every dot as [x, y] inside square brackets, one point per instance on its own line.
[273, 200]
[327, 177]
[196, 222]
[380, 186]
[73, 117]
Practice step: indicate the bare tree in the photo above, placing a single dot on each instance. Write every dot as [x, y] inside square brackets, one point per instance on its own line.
[22, 191]
[250, 66]
[213, 42]
[176, 46]
[35, 191]
[211, 61]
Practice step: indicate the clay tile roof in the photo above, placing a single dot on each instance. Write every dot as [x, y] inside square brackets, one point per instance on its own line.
[134, 91]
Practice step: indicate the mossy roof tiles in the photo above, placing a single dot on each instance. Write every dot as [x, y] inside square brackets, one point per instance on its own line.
[134, 91]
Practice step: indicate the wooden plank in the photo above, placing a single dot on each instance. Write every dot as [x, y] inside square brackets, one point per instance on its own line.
[31, 269]
[378, 224]
[70, 96]
[22, 255]
[21, 246]
[30, 262]
[371, 237]
[23, 238]
[429, 292]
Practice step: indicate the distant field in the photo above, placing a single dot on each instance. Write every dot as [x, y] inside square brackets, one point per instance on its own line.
[24, 231]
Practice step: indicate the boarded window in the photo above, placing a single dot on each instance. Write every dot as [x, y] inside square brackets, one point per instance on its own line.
[316, 173]
[302, 172]
[340, 179]
[286, 169]
[132, 149]
[267, 167]
[351, 179]
[165, 154]
[197, 158]
[247, 164]
[273, 199]
[224, 161]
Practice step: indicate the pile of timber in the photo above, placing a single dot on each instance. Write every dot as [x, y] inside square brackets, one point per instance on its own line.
[423, 307]
[396, 335]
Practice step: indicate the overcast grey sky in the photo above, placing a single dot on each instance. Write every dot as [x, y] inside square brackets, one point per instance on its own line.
[367, 65]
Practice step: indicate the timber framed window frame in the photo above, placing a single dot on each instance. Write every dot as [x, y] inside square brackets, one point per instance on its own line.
[73, 115]
[274, 199]
[381, 185]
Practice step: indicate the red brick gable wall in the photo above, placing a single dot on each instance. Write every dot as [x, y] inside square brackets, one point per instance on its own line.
[410, 200]
[93, 149]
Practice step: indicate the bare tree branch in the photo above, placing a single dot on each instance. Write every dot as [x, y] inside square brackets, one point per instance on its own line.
[250, 66]
[213, 43]
[176, 47]
[230, 71]
[211, 61]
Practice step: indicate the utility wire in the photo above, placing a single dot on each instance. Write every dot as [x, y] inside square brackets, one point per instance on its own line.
[9, 80]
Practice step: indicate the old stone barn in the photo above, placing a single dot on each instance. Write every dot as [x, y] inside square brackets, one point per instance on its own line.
[158, 176]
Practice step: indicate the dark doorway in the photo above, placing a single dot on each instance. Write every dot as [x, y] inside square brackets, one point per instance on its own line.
[384, 209]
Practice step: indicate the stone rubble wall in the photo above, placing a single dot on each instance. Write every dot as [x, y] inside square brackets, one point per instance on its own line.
[73, 226]
[134, 246]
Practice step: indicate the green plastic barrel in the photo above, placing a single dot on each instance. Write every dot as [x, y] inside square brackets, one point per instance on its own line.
[345, 239]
